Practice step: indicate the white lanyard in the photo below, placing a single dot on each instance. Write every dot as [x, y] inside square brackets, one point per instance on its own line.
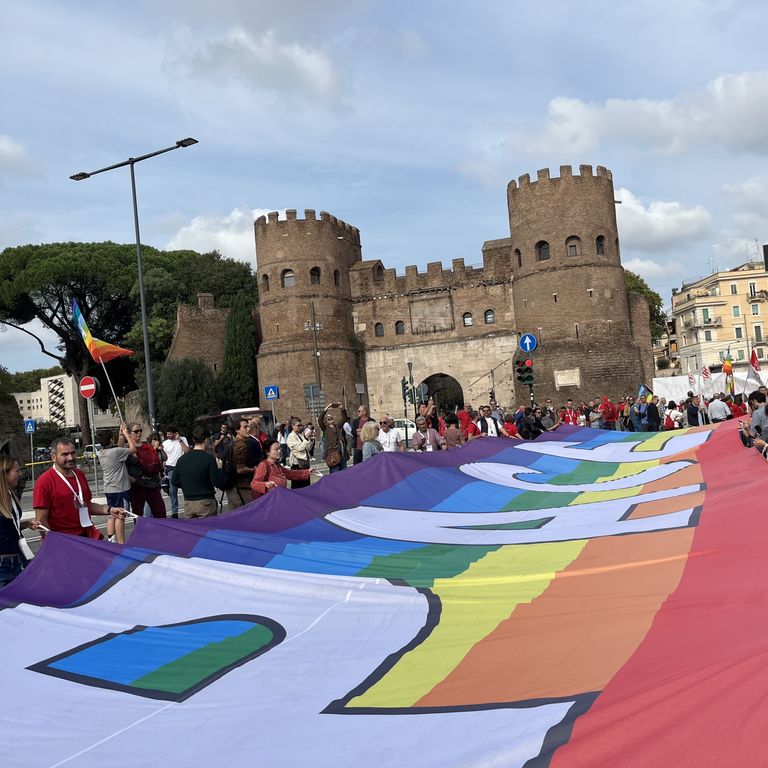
[77, 495]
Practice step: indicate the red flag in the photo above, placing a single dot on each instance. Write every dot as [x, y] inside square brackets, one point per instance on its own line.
[705, 374]
[754, 362]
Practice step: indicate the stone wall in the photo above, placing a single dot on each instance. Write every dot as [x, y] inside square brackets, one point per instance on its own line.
[468, 360]
[200, 332]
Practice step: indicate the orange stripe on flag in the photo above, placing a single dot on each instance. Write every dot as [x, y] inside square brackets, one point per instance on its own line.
[580, 631]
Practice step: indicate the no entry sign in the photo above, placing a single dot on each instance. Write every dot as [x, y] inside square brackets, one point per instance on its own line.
[88, 387]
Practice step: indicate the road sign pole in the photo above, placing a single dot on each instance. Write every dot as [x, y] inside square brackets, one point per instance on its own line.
[32, 455]
[532, 400]
[92, 418]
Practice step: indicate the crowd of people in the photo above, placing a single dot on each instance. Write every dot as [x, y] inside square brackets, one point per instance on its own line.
[244, 462]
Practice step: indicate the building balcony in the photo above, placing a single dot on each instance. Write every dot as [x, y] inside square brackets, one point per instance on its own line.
[757, 296]
[707, 322]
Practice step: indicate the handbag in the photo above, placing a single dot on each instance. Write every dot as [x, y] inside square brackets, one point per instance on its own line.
[333, 457]
[300, 463]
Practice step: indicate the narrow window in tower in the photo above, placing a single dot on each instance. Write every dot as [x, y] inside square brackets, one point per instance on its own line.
[314, 276]
[554, 298]
[336, 277]
[264, 283]
[378, 329]
[589, 292]
[489, 317]
[519, 257]
[466, 318]
[287, 278]
[573, 245]
[378, 273]
[600, 245]
[399, 328]
[525, 303]
[577, 330]
[542, 250]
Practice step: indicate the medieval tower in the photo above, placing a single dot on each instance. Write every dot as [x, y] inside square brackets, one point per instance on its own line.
[304, 300]
[568, 286]
[357, 327]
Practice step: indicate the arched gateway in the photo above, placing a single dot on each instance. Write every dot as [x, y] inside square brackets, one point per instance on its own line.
[445, 391]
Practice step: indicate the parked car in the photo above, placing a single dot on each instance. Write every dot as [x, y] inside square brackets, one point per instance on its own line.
[91, 451]
[399, 427]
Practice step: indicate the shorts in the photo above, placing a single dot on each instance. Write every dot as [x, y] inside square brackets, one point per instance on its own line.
[121, 499]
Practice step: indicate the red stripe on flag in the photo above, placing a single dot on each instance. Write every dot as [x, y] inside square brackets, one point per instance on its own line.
[694, 692]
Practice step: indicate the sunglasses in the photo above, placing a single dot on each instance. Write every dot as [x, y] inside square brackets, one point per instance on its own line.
[384, 423]
[136, 431]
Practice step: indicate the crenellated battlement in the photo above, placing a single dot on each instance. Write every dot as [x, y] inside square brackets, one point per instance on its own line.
[291, 222]
[566, 173]
[370, 279]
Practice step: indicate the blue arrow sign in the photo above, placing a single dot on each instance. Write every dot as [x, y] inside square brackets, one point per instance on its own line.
[30, 425]
[271, 392]
[528, 342]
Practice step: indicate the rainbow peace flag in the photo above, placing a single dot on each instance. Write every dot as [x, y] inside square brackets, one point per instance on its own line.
[590, 598]
[728, 371]
[101, 351]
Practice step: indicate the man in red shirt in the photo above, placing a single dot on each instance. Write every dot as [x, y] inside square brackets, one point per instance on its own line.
[568, 415]
[465, 418]
[62, 498]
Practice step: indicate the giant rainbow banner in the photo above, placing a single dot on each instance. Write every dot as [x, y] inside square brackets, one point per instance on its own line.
[587, 599]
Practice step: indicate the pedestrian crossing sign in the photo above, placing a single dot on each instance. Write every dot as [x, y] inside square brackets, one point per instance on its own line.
[271, 392]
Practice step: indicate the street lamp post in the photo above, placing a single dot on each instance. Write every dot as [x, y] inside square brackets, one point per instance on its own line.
[314, 326]
[130, 162]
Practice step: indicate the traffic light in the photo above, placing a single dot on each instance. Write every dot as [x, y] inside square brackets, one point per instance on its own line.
[524, 371]
[404, 385]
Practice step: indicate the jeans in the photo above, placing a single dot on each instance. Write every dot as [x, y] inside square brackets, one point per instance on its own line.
[173, 491]
[10, 567]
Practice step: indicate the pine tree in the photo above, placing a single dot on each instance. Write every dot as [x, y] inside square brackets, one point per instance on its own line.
[237, 381]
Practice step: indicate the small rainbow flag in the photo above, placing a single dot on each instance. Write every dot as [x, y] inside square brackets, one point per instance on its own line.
[101, 351]
[728, 371]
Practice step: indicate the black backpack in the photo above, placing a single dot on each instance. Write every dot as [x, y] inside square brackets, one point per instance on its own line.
[228, 471]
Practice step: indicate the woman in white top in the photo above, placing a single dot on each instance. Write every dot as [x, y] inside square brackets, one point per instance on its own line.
[13, 556]
[674, 415]
[298, 448]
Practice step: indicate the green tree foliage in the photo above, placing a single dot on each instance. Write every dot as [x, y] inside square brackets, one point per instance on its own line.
[29, 381]
[237, 380]
[186, 389]
[40, 281]
[46, 432]
[636, 284]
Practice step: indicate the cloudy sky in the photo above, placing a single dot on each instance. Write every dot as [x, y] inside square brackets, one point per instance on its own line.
[404, 119]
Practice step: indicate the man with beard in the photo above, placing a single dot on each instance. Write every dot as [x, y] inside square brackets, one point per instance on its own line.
[62, 498]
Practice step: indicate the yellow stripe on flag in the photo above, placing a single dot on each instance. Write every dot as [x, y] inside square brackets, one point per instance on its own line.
[474, 603]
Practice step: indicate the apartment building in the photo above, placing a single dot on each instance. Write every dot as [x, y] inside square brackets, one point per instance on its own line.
[727, 309]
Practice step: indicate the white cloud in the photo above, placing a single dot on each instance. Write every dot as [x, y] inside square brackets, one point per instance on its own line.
[750, 195]
[413, 44]
[264, 62]
[649, 269]
[13, 156]
[730, 111]
[660, 225]
[231, 235]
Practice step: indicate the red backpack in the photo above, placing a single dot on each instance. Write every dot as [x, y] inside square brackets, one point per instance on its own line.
[149, 461]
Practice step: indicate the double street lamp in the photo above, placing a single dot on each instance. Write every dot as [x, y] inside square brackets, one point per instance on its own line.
[130, 162]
